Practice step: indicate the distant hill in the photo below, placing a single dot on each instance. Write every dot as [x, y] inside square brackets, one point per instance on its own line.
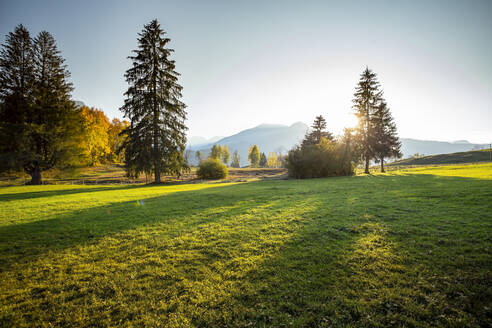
[281, 138]
[410, 147]
[195, 140]
[453, 158]
[269, 138]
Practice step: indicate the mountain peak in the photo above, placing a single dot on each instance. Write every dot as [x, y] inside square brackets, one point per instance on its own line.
[269, 126]
[299, 124]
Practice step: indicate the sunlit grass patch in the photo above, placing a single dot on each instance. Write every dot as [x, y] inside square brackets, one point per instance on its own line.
[405, 248]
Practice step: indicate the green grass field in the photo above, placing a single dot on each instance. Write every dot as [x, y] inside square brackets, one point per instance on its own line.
[474, 156]
[403, 249]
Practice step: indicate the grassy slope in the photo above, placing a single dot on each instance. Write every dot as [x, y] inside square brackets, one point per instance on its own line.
[454, 158]
[407, 248]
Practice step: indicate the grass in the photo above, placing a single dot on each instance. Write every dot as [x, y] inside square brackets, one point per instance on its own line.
[473, 156]
[407, 248]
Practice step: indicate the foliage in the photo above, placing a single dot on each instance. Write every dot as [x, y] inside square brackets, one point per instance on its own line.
[236, 159]
[225, 155]
[318, 131]
[328, 158]
[254, 156]
[376, 135]
[272, 160]
[37, 117]
[407, 249]
[386, 142]
[212, 169]
[198, 156]
[156, 134]
[215, 152]
[95, 141]
[263, 160]
[116, 138]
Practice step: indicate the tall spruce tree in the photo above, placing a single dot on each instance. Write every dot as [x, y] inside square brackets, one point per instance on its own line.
[16, 83]
[385, 137]
[366, 99]
[318, 131]
[153, 105]
[38, 116]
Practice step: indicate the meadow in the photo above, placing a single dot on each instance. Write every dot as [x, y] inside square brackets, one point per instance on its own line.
[409, 248]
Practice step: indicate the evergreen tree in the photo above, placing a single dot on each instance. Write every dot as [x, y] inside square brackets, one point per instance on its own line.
[263, 160]
[156, 135]
[385, 137]
[318, 131]
[38, 117]
[225, 155]
[16, 83]
[366, 99]
[254, 156]
[236, 159]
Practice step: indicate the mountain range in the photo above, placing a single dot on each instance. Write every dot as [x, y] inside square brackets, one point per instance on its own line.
[281, 138]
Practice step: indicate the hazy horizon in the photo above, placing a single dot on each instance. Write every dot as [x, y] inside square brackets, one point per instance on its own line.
[280, 62]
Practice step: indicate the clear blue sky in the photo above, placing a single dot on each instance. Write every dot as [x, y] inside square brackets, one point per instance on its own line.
[249, 62]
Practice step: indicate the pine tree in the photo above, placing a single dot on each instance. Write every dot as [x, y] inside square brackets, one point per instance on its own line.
[263, 160]
[153, 105]
[367, 97]
[38, 116]
[318, 131]
[254, 156]
[385, 137]
[236, 159]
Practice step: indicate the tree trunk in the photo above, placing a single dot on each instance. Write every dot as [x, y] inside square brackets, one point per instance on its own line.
[36, 175]
[157, 155]
[382, 164]
[366, 171]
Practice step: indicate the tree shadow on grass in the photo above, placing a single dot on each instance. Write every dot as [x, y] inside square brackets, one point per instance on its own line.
[180, 211]
[62, 192]
[323, 252]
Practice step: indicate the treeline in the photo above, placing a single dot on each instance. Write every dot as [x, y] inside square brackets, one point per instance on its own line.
[256, 158]
[41, 127]
[373, 139]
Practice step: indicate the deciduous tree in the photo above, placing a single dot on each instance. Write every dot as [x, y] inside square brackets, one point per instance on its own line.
[254, 156]
[236, 159]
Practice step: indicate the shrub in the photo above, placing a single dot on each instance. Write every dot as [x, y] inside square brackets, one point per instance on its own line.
[212, 169]
[328, 158]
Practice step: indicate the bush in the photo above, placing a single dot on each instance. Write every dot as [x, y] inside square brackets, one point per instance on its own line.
[326, 159]
[212, 169]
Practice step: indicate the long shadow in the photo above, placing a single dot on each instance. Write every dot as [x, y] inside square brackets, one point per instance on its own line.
[62, 192]
[304, 281]
[23, 242]
[315, 280]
